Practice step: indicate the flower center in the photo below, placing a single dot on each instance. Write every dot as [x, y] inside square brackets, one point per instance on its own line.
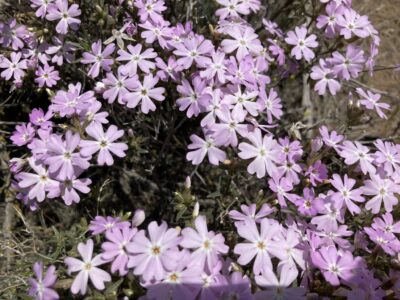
[261, 245]
[156, 250]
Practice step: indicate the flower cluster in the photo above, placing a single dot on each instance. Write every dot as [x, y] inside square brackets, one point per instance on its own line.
[331, 205]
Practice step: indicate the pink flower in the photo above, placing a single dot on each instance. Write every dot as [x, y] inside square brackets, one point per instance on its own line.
[201, 148]
[302, 43]
[101, 59]
[154, 255]
[264, 150]
[370, 101]
[226, 131]
[88, 268]
[70, 186]
[207, 245]
[257, 243]
[144, 93]
[346, 192]
[104, 143]
[66, 15]
[245, 42]
[334, 264]
[136, 58]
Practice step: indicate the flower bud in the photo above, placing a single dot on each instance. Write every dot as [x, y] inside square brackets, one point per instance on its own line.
[196, 210]
[138, 217]
[188, 182]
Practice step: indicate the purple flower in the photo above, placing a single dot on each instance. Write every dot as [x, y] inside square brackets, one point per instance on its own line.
[232, 9]
[61, 50]
[88, 268]
[382, 190]
[352, 23]
[99, 58]
[207, 245]
[257, 243]
[387, 156]
[103, 224]
[144, 93]
[66, 15]
[215, 68]
[170, 69]
[317, 173]
[226, 131]
[386, 223]
[265, 151]
[14, 68]
[385, 240]
[350, 65]
[13, 34]
[334, 264]
[243, 103]
[38, 118]
[245, 42]
[154, 255]
[302, 43]
[192, 96]
[70, 102]
[192, 50]
[42, 287]
[136, 58]
[281, 186]
[114, 249]
[325, 77]
[201, 148]
[118, 87]
[271, 104]
[279, 289]
[46, 75]
[356, 152]
[346, 193]
[38, 183]
[329, 21]
[42, 7]
[150, 9]
[70, 186]
[62, 158]
[23, 134]
[104, 143]
[306, 205]
[370, 101]
[330, 139]
[249, 213]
